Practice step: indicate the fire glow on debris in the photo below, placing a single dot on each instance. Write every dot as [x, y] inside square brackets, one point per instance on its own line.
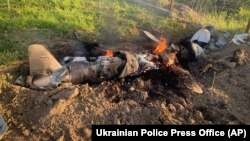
[170, 60]
[109, 53]
[161, 47]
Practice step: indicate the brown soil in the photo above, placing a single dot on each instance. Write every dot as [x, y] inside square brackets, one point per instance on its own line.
[67, 113]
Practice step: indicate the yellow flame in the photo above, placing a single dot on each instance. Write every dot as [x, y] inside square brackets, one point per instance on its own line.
[109, 53]
[161, 47]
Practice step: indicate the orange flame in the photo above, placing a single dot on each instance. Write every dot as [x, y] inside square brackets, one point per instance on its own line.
[170, 60]
[109, 53]
[161, 47]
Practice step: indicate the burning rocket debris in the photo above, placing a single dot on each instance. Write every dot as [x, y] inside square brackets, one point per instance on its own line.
[161, 46]
[113, 65]
[109, 53]
[240, 38]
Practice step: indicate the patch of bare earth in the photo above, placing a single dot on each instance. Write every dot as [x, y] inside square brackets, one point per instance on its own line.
[229, 69]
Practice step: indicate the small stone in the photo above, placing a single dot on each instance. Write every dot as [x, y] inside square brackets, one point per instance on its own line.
[23, 128]
[20, 125]
[140, 83]
[92, 108]
[87, 132]
[23, 88]
[41, 130]
[26, 132]
[127, 110]
[144, 96]
[177, 122]
[163, 106]
[181, 119]
[198, 115]
[183, 102]
[15, 122]
[191, 121]
[132, 103]
[117, 121]
[90, 100]
[86, 109]
[74, 93]
[33, 127]
[179, 107]
[61, 138]
[8, 114]
[20, 81]
[232, 123]
[171, 108]
[131, 89]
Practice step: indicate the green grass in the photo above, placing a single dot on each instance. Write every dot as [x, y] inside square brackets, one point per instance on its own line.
[10, 51]
[233, 23]
[122, 17]
[53, 14]
[223, 22]
[98, 19]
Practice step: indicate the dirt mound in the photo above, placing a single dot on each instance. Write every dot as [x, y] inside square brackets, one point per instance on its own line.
[227, 78]
[69, 111]
[184, 12]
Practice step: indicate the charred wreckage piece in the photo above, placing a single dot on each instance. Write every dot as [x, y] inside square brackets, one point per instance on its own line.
[47, 73]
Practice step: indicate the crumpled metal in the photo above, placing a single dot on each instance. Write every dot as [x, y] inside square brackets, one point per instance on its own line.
[3, 127]
[239, 39]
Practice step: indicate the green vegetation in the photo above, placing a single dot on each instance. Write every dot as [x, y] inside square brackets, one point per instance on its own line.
[90, 16]
[234, 22]
[231, 23]
[98, 19]
[10, 50]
